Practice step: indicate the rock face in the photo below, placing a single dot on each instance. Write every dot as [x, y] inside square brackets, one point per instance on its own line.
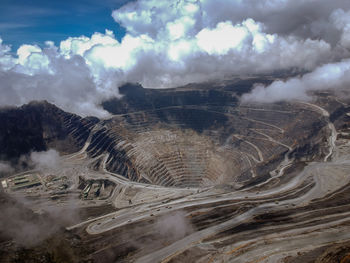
[184, 175]
[38, 126]
[201, 136]
[187, 137]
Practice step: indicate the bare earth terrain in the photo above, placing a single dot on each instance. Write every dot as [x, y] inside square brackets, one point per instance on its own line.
[194, 181]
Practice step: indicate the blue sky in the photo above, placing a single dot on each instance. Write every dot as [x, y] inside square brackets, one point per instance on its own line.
[36, 21]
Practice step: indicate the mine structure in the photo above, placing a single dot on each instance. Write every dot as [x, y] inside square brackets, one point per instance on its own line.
[192, 174]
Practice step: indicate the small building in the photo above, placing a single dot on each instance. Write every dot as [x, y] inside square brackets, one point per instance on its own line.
[23, 182]
[4, 184]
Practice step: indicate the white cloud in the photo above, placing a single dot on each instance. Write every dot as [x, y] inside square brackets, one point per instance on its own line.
[46, 160]
[277, 91]
[31, 60]
[25, 51]
[5, 168]
[170, 43]
[120, 56]
[178, 50]
[223, 38]
[6, 60]
[79, 45]
[47, 75]
[326, 77]
[341, 20]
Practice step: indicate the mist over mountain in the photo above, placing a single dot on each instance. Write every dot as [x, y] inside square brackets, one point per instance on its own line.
[190, 131]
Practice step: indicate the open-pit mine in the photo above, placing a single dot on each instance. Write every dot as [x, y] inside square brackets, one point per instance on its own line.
[190, 174]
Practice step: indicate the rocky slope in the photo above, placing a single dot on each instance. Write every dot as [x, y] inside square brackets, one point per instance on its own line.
[38, 126]
[188, 175]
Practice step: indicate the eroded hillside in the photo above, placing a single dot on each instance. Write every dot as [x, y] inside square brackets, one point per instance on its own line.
[188, 175]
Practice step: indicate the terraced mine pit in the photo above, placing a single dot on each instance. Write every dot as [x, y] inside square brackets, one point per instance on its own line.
[188, 175]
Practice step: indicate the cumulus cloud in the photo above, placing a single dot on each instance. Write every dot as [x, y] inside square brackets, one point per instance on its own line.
[326, 77]
[191, 42]
[44, 74]
[171, 43]
[341, 21]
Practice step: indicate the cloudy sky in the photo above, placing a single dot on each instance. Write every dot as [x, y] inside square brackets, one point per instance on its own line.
[77, 54]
